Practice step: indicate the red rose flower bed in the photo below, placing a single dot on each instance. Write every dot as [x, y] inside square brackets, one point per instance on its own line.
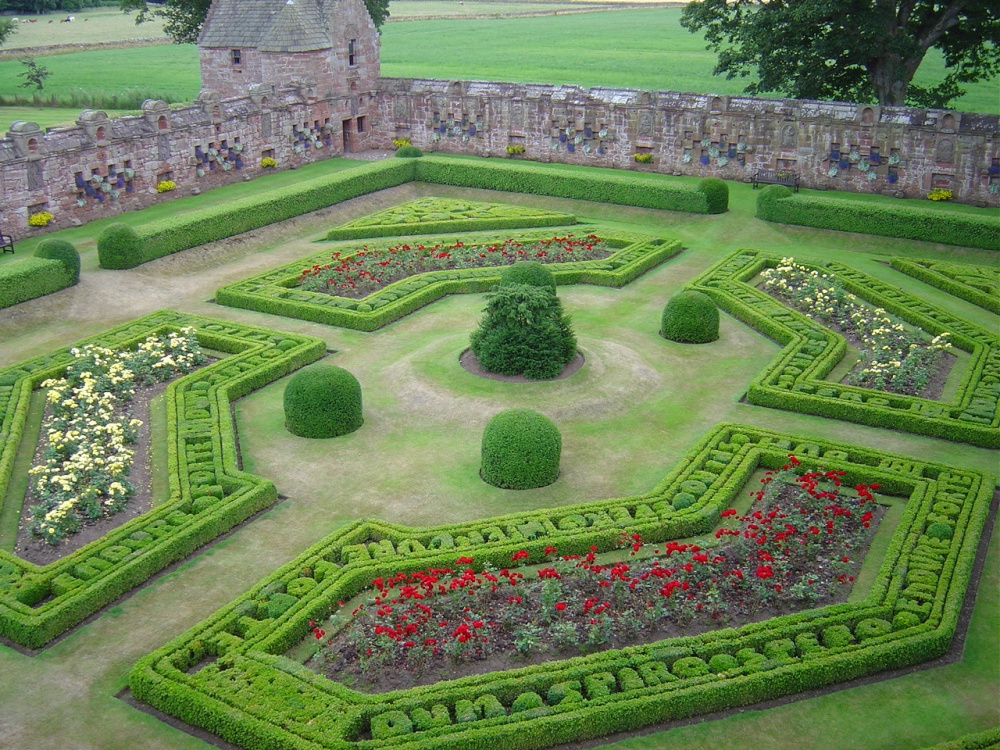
[799, 546]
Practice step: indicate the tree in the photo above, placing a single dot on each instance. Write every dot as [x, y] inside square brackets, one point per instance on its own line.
[854, 50]
[184, 18]
[34, 75]
[7, 28]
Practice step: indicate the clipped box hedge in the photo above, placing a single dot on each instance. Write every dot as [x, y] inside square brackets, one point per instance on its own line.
[228, 674]
[908, 221]
[174, 234]
[794, 379]
[274, 291]
[209, 494]
[976, 284]
[27, 278]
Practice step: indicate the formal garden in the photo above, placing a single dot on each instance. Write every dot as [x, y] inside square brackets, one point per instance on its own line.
[753, 468]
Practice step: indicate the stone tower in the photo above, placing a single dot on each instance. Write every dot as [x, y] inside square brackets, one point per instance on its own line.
[327, 48]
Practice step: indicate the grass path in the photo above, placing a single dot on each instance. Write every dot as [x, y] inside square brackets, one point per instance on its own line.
[626, 417]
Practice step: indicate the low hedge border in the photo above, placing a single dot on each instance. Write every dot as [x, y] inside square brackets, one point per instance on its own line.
[778, 203]
[208, 493]
[975, 284]
[793, 381]
[174, 234]
[439, 215]
[273, 291]
[29, 278]
[228, 674]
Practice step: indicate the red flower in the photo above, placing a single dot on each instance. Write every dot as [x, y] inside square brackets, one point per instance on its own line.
[464, 561]
[560, 606]
[519, 555]
[550, 550]
[728, 512]
[764, 571]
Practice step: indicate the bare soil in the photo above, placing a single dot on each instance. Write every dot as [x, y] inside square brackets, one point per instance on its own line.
[471, 365]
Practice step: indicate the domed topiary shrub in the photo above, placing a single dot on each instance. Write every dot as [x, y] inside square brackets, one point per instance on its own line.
[529, 272]
[408, 152]
[322, 401]
[118, 248]
[62, 251]
[716, 194]
[521, 450]
[690, 318]
[524, 332]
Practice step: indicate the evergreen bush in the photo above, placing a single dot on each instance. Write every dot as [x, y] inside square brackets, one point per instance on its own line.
[524, 332]
[63, 251]
[408, 152]
[528, 272]
[716, 194]
[118, 248]
[322, 401]
[520, 450]
[690, 317]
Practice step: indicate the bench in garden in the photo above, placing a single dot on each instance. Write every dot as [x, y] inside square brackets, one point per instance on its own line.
[7, 243]
[775, 177]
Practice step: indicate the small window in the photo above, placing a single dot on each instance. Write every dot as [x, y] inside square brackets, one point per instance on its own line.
[352, 52]
[236, 56]
[361, 124]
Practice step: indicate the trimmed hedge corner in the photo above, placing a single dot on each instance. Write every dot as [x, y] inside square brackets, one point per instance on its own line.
[29, 278]
[119, 248]
[62, 251]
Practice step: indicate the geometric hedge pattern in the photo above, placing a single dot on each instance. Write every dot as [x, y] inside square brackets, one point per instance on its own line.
[979, 285]
[794, 379]
[228, 674]
[208, 492]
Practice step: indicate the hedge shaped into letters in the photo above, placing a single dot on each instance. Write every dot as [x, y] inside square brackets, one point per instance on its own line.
[209, 494]
[228, 674]
[979, 285]
[437, 215]
[174, 234]
[778, 203]
[794, 379]
[274, 291]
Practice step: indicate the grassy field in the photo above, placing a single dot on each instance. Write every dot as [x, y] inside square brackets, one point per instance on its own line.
[644, 49]
[634, 409]
[91, 26]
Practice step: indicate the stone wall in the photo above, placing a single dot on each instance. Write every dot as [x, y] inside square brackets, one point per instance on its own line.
[861, 148]
[105, 166]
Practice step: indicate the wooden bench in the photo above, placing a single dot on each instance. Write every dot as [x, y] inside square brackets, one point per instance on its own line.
[7, 243]
[775, 177]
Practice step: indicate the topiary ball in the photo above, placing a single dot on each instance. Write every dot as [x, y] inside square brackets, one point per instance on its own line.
[118, 248]
[408, 152]
[528, 272]
[690, 318]
[716, 194]
[521, 450]
[322, 401]
[64, 252]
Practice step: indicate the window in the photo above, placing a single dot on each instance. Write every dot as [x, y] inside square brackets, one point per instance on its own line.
[236, 56]
[352, 52]
[361, 124]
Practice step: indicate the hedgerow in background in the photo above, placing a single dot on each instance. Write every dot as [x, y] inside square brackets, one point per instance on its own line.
[979, 285]
[794, 380]
[520, 450]
[229, 673]
[778, 203]
[322, 401]
[63, 251]
[690, 317]
[716, 194]
[408, 152]
[275, 291]
[210, 493]
[433, 215]
[524, 332]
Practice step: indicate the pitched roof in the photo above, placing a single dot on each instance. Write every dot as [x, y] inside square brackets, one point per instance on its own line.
[268, 25]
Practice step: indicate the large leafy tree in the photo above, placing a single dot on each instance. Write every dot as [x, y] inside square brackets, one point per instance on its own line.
[855, 50]
[184, 18]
